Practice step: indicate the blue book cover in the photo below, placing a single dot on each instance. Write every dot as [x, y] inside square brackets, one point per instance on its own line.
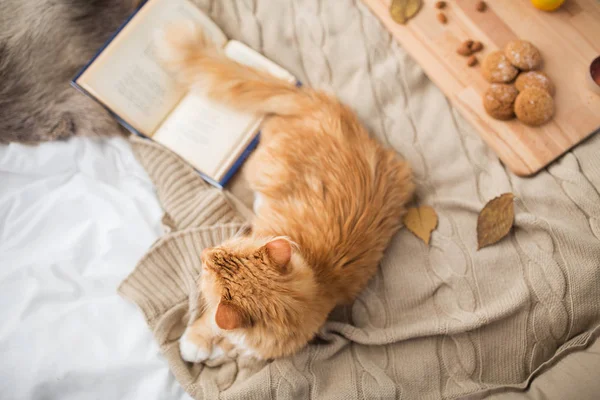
[145, 17]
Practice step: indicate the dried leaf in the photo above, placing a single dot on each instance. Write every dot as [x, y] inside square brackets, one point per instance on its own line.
[421, 221]
[495, 220]
[403, 10]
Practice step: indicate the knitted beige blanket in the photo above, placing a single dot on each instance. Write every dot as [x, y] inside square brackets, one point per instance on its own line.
[442, 321]
[420, 323]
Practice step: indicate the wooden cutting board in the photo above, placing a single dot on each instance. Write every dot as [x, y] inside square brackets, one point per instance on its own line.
[569, 39]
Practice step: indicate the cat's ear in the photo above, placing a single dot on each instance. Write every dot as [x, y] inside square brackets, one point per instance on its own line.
[229, 316]
[280, 252]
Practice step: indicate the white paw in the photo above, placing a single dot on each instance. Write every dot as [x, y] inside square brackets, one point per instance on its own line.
[191, 352]
[217, 352]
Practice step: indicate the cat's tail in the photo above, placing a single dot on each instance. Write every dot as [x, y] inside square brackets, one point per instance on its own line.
[188, 53]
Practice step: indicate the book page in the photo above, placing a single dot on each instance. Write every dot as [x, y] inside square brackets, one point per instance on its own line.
[211, 136]
[128, 78]
[246, 55]
[203, 132]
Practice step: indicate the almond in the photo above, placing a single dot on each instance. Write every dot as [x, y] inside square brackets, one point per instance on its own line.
[472, 61]
[442, 18]
[464, 50]
[476, 46]
[440, 4]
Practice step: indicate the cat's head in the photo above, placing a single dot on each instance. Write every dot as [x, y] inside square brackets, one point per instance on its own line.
[263, 295]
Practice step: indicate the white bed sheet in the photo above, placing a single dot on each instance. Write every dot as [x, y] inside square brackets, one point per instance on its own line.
[74, 219]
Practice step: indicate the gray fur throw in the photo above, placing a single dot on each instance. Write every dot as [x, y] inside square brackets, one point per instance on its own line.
[43, 43]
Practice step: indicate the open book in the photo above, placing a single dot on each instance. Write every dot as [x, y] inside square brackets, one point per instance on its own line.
[127, 79]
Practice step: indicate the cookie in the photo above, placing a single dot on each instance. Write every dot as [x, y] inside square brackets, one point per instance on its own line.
[534, 106]
[499, 100]
[497, 69]
[536, 79]
[523, 55]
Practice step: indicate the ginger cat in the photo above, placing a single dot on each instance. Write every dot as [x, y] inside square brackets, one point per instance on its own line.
[329, 199]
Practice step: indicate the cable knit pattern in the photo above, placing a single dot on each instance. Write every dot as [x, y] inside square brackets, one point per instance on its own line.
[549, 317]
[579, 190]
[436, 322]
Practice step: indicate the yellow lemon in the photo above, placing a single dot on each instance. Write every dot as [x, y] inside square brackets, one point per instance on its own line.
[547, 5]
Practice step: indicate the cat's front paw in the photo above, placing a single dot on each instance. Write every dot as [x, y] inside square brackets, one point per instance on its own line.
[193, 350]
